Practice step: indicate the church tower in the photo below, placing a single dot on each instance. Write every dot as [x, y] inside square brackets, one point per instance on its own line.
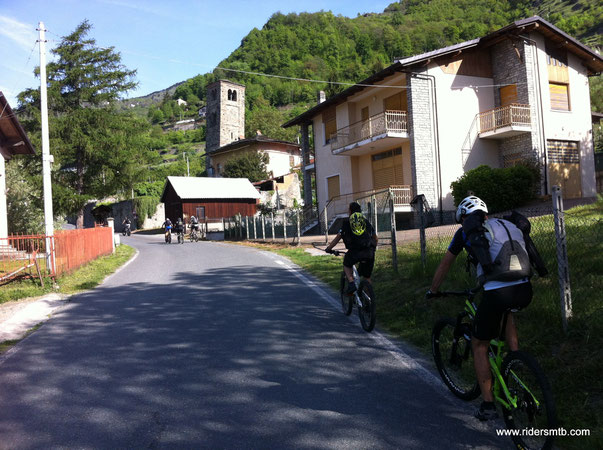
[225, 114]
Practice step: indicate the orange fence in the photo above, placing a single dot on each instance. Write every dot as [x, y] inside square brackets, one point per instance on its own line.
[75, 248]
[21, 254]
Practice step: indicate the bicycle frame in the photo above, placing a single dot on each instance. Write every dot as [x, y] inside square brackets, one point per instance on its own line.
[495, 357]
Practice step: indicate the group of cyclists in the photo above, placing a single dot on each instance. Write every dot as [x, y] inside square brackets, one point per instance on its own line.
[180, 228]
[502, 253]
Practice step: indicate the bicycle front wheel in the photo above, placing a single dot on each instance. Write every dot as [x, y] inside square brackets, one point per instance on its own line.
[367, 312]
[454, 359]
[346, 300]
[535, 408]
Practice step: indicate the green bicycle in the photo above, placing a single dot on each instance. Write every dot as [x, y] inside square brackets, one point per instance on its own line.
[520, 385]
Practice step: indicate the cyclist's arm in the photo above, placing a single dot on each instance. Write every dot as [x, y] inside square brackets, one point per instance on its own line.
[333, 243]
[442, 271]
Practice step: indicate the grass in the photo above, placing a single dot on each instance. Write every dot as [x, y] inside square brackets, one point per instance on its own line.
[85, 277]
[572, 361]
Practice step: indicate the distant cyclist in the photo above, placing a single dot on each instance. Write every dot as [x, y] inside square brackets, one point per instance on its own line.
[194, 223]
[360, 240]
[168, 226]
[497, 247]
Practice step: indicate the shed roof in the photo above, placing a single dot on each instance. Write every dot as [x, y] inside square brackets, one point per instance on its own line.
[13, 137]
[214, 188]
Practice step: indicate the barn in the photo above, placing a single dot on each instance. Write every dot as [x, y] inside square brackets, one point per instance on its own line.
[208, 198]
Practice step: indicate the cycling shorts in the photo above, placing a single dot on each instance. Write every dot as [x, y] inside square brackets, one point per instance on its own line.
[489, 314]
[168, 228]
[365, 257]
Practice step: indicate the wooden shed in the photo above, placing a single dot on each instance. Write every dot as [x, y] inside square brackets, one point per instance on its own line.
[208, 198]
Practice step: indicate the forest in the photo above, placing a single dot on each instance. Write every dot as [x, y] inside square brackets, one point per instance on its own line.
[136, 148]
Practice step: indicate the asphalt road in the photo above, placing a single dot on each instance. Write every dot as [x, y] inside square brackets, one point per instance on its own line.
[210, 345]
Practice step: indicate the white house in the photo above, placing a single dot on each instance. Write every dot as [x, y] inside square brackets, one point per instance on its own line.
[13, 141]
[520, 93]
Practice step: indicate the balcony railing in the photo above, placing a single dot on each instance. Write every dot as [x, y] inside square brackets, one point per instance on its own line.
[505, 116]
[385, 122]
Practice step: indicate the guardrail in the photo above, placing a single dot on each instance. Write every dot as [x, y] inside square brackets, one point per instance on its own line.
[386, 121]
[504, 116]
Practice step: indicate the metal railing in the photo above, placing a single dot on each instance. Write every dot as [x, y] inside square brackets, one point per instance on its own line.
[20, 253]
[387, 121]
[504, 116]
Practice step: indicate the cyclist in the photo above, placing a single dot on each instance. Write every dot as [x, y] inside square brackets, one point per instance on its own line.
[360, 240]
[194, 223]
[179, 226]
[498, 296]
[168, 226]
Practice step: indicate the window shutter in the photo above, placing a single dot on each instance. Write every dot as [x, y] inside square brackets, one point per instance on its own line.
[559, 96]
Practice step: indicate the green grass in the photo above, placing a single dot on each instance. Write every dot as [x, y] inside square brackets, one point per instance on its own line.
[573, 362]
[85, 277]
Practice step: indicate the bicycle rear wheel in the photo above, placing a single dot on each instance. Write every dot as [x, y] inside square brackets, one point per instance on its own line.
[346, 300]
[454, 359]
[367, 312]
[526, 380]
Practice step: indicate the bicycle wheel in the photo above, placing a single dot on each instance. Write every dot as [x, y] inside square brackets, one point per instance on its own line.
[346, 300]
[454, 358]
[367, 311]
[535, 405]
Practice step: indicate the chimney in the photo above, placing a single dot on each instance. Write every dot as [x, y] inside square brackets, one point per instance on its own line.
[321, 97]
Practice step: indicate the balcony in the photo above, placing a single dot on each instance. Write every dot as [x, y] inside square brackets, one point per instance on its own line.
[505, 122]
[378, 131]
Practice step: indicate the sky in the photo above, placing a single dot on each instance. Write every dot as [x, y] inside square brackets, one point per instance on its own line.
[166, 41]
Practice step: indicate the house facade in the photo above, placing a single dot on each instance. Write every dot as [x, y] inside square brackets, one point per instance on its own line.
[519, 94]
[13, 141]
[226, 133]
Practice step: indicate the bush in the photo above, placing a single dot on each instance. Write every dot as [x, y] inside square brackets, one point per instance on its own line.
[501, 189]
[144, 207]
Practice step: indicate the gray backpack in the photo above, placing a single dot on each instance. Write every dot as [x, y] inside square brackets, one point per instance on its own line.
[510, 260]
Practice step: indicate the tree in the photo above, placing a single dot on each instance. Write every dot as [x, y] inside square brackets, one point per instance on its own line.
[251, 165]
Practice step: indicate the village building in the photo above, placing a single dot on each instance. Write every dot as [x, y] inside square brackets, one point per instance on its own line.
[13, 141]
[519, 94]
[225, 140]
[208, 198]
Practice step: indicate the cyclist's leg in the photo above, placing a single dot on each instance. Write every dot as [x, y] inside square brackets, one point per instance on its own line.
[365, 268]
[519, 298]
[349, 260]
[486, 326]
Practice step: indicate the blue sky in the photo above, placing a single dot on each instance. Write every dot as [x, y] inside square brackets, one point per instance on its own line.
[167, 41]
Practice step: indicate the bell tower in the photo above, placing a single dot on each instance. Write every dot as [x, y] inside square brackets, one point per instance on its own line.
[225, 114]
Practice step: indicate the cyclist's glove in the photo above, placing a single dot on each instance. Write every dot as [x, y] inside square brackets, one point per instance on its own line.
[430, 295]
[328, 251]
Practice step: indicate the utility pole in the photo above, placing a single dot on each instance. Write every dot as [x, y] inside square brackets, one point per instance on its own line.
[188, 172]
[47, 158]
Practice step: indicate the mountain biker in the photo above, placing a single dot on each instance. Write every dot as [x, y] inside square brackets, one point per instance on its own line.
[127, 224]
[194, 223]
[179, 227]
[498, 296]
[167, 225]
[360, 240]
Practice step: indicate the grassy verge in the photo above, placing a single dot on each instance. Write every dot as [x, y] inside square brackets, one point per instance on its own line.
[573, 362]
[85, 277]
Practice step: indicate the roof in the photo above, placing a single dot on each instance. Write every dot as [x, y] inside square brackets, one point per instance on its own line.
[13, 137]
[592, 60]
[245, 142]
[214, 188]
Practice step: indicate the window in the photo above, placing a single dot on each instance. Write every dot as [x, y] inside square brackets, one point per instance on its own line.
[218, 169]
[559, 96]
[508, 95]
[200, 212]
[291, 161]
[234, 96]
[563, 152]
[333, 187]
[330, 121]
[387, 169]
[229, 94]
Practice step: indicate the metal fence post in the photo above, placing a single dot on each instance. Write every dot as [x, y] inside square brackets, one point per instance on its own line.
[422, 231]
[263, 227]
[326, 226]
[298, 227]
[374, 212]
[247, 227]
[565, 291]
[393, 231]
[224, 227]
[272, 224]
[255, 231]
[239, 226]
[285, 225]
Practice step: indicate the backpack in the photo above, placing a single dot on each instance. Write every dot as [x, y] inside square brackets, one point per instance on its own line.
[510, 260]
[360, 237]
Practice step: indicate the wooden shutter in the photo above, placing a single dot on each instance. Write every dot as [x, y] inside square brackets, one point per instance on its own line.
[329, 119]
[508, 95]
[333, 187]
[393, 103]
[387, 169]
[559, 96]
[364, 114]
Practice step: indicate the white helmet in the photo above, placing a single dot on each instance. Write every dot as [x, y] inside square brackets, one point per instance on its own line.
[469, 205]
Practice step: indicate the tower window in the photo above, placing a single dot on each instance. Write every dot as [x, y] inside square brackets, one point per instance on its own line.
[234, 96]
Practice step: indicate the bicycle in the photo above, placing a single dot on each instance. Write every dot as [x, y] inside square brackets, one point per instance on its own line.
[520, 385]
[194, 236]
[363, 298]
[180, 236]
[168, 235]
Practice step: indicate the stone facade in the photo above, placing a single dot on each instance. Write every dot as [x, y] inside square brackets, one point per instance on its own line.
[421, 130]
[225, 113]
